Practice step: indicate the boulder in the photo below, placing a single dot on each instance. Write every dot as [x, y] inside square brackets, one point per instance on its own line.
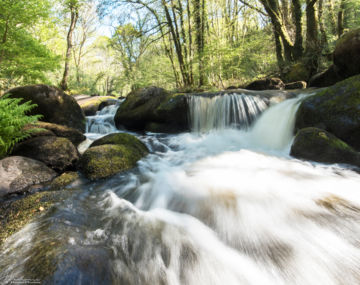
[266, 84]
[321, 146]
[48, 129]
[18, 173]
[153, 105]
[298, 71]
[347, 54]
[122, 139]
[107, 103]
[326, 78]
[64, 180]
[335, 109]
[295, 85]
[110, 155]
[346, 59]
[57, 153]
[90, 105]
[53, 104]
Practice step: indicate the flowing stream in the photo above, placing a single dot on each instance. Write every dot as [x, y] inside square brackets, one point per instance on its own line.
[225, 204]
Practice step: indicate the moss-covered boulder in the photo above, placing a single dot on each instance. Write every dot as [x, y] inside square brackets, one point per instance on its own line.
[48, 129]
[335, 109]
[296, 72]
[153, 105]
[55, 106]
[106, 160]
[16, 214]
[321, 146]
[64, 180]
[347, 54]
[18, 173]
[266, 84]
[57, 153]
[122, 139]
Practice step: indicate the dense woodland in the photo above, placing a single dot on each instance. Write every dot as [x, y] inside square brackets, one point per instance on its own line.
[113, 46]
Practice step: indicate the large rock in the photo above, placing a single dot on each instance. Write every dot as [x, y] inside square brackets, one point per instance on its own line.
[335, 109]
[49, 129]
[346, 58]
[18, 173]
[144, 107]
[319, 145]
[266, 84]
[58, 153]
[347, 54]
[55, 106]
[110, 155]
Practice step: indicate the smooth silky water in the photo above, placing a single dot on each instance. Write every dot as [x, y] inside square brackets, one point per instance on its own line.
[221, 205]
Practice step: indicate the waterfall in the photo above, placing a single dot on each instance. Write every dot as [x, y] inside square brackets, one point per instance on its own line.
[224, 111]
[103, 121]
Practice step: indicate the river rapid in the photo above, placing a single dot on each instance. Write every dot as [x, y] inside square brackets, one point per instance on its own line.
[224, 204]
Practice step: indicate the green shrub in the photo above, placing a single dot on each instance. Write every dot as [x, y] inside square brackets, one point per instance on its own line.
[13, 118]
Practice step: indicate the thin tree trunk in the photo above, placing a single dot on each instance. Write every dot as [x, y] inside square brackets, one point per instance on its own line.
[74, 18]
[297, 15]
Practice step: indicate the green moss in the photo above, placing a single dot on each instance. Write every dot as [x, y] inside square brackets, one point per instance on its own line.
[16, 214]
[297, 72]
[63, 180]
[122, 139]
[106, 160]
[94, 101]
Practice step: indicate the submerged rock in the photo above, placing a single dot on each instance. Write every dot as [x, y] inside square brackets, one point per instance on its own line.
[111, 154]
[55, 106]
[18, 173]
[321, 146]
[335, 109]
[145, 106]
[64, 180]
[58, 153]
[74, 135]
[266, 84]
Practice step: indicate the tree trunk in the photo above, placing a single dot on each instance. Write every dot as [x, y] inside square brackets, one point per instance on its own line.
[313, 50]
[74, 17]
[297, 15]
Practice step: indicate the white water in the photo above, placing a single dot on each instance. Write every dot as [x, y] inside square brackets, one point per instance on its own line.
[224, 207]
[224, 111]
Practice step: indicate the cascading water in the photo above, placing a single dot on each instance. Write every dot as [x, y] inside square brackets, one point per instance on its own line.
[224, 111]
[103, 121]
[209, 208]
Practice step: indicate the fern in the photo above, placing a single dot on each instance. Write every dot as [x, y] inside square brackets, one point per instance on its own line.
[13, 118]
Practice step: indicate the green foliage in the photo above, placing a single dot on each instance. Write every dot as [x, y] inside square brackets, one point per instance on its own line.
[13, 118]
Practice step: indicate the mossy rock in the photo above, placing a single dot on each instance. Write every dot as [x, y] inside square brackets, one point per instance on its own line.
[91, 105]
[266, 84]
[321, 146]
[122, 139]
[64, 180]
[48, 129]
[297, 72]
[153, 105]
[16, 214]
[106, 160]
[53, 104]
[347, 54]
[335, 109]
[57, 153]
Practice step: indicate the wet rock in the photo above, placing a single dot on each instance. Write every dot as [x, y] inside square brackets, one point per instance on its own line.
[74, 135]
[91, 105]
[64, 180]
[122, 139]
[326, 78]
[106, 160]
[335, 109]
[321, 146]
[266, 84]
[55, 106]
[295, 85]
[16, 214]
[107, 103]
[57, 153]
[18, 173]
[153, 105]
